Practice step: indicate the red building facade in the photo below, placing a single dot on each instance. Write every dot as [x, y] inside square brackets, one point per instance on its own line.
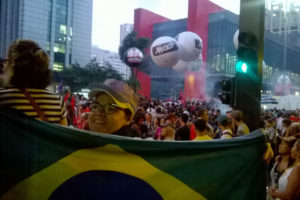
[197, 22]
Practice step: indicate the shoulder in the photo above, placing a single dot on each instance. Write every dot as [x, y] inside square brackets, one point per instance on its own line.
[297, 169]
[8, 90]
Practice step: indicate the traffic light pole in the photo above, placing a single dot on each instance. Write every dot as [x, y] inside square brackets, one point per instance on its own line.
[247, 88]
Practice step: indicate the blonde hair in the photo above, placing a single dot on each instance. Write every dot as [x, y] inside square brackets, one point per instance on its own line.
[27, 66]
[294, 129]
[167, 132]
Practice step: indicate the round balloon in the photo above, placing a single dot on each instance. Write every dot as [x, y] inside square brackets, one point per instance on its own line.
[134, 57]
[165, 51]
[190, 44]
[196, 64]
[182, 66]
[236, 39]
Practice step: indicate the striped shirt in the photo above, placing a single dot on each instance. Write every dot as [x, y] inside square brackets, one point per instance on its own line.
[48, 102]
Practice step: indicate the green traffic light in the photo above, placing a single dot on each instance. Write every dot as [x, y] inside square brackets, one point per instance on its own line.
[241, 67]
[244, 67]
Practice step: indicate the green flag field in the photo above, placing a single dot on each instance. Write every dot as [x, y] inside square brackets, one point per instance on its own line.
[41, 161]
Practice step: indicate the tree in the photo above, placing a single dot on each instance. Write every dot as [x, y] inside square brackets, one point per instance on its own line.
[90, 76]
[131, 40]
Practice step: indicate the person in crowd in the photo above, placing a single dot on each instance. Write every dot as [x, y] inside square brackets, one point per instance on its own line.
[237, 118]
[225, 125]
[183, 133]
[294, 117]
[26, 76]
[228, 114]
[167, 132]
[157, 129]
[280, 126]
[270, 131]
[286, 123]
[138, 128]
[80, 111]
[149, 124]
[201, 130]
[202, 114]
[168, 127]
[114, 105]
[84, 121]
[289, 181]
[158, 113]
[69, 114]
[294, 130]
[282, 161]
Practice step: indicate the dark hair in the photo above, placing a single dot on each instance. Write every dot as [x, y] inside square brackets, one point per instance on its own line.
[200, 124]
[158, 110]
[288, 122]
[184, 117]
[138, 116]
[27, 66]
[201, 112]
[158, 120]
[226, 122]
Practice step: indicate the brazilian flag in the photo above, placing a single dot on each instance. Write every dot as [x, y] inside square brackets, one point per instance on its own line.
[40, 161]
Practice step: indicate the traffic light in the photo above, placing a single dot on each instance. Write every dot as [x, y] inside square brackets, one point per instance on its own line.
[227, 92]
[248, 79]
[247, 54]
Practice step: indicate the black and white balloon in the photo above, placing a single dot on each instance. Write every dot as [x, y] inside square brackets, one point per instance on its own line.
[190, 44]
[165, 51]
[181, 66]
[134, 57]
[196, 64]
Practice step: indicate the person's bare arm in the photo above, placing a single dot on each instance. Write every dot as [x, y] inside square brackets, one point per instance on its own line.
[293, 186]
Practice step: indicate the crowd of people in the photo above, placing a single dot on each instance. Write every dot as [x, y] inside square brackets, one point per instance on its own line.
[114, 108]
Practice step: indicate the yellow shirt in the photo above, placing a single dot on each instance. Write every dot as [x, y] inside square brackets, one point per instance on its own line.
[205, 137]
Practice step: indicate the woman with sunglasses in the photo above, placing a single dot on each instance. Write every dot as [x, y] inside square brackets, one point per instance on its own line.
[113, 108]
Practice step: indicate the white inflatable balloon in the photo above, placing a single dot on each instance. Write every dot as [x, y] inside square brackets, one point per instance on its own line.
[196, 64]
[236, 39]
[134, 57]
[182, 66]
[190, 44]
[165, 51]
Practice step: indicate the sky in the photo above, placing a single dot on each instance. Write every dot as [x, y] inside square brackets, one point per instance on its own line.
[108, 15]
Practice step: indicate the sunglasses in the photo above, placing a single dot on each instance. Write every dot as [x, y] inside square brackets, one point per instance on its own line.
[107, 108]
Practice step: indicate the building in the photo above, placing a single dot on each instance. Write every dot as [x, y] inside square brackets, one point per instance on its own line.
[125, 29]
[62, 27]
[104, 56]
[216, 27]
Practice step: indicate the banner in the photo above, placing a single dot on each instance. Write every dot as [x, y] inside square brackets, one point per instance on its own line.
[45, 161]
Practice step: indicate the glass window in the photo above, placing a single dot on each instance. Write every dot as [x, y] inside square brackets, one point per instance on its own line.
[58, 66]
[63, 29]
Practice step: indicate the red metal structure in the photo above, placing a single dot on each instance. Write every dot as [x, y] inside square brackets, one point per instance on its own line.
[197, 22]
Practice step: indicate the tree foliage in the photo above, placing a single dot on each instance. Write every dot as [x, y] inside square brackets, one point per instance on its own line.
[90, 76]
[131, 40]
[142, 43]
